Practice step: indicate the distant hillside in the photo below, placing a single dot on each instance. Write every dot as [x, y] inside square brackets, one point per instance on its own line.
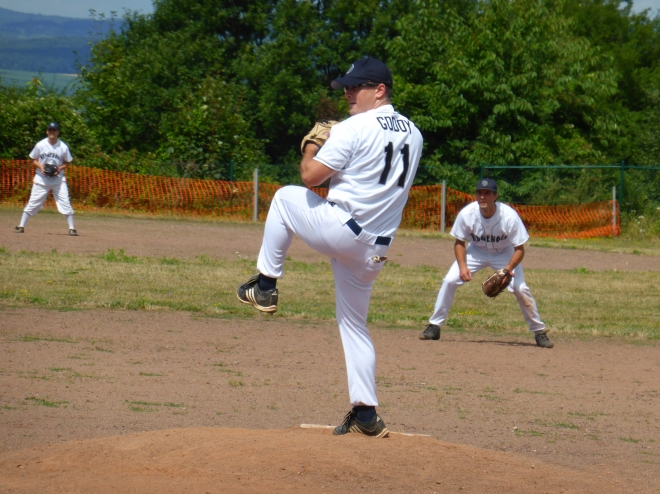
[44, 43]
[56, 54]
[20, 25]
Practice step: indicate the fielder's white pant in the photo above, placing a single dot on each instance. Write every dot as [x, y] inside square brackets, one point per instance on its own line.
[477, 259]
[296, 210]
[40, 194]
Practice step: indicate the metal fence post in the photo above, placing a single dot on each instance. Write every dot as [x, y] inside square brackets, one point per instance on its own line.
[255, 215]
[443, 208]
[614, 211]
[621, 173]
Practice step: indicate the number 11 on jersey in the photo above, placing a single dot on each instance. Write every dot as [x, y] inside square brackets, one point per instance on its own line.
[389, 152]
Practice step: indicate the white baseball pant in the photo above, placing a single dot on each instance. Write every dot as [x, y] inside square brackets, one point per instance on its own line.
[39, 195]
[296, 210]
[477, 259]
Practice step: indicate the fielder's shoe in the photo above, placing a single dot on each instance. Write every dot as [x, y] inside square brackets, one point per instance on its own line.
[19, 229]
[432, 332]
[374, 428]
[249, 293]
[73, 233]
[542, 339]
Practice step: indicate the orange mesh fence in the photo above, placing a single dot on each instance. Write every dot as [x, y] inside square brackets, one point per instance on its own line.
[96, 189]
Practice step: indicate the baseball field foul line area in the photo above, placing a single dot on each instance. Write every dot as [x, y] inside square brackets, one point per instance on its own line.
[94, 189]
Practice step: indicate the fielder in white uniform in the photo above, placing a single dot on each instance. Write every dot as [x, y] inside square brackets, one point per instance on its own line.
[371, 159]
[496, 237]
[49, 150]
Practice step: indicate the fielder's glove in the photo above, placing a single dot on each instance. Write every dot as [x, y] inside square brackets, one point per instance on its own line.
[497, 282]
[319, 134]
[51, 169]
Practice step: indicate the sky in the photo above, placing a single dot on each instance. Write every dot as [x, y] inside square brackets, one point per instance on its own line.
[80, 8]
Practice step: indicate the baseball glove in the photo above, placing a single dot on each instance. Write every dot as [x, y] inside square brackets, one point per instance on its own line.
[497, 282]
[319, 134]
[50, 168]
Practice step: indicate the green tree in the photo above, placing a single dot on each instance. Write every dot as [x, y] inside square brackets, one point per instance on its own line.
[509, 83]
[25, 113]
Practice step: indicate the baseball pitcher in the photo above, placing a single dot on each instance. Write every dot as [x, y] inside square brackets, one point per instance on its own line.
[371, 159]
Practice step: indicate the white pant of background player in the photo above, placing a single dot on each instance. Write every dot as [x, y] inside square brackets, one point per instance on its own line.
[477, 259]
[40, 194]
[296, 210]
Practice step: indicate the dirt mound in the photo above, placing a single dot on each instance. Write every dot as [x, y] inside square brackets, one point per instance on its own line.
[289, 460]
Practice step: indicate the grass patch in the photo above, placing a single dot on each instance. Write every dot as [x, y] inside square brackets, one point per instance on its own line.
[30, 338]
[518, 390]
[150, 374]
[118, 256]
[629, 440]
[529, 433]
[577, 302]
[45, 403]
[101, 349]
[151, 406]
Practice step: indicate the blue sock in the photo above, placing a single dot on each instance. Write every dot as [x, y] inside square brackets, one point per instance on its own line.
[266, 283]
[364, 413]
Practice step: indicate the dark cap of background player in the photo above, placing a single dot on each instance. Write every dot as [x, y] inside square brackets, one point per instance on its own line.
[364, 71]
[487, 184]
[53, 125]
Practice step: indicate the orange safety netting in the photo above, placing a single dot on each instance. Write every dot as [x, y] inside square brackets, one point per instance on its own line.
[96, 189]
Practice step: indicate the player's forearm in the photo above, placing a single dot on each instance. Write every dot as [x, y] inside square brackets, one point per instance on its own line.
[38, 165]
[516, 258]
[459, 252]
[312, 172]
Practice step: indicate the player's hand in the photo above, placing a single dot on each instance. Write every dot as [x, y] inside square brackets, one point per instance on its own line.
[466, 274]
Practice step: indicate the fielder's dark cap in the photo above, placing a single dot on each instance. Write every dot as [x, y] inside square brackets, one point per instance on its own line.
[362, 71]
[53, 125]
[487, 184]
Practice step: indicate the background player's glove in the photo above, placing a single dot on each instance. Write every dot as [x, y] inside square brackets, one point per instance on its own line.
[497, 282]
[51, 168]
[319, 134]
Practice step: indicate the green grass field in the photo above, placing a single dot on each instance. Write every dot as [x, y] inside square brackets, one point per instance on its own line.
[577, 302]
[20, 78]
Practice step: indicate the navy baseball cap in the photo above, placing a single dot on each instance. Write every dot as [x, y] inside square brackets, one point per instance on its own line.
[53, 125]
[366, 69]
[487, 184]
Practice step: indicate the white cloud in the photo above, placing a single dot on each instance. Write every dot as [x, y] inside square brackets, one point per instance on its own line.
[77, 8]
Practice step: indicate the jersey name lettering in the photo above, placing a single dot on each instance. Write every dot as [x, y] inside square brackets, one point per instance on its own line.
[394, 124]
[487, 238]
[43, 156]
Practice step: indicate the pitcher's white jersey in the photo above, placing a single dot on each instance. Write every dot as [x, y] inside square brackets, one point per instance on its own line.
[376, 154]
[43, 151]
[501, 231]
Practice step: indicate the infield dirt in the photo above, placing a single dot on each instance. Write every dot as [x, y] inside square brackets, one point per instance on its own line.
[137, 401]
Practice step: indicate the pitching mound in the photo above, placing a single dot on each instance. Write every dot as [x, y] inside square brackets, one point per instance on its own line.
[290, 460]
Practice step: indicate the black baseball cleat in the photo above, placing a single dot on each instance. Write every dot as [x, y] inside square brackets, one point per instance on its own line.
[432, 332]
[542, 339]
[263, 300]
[374, 428]
[19, 229]
[73, 233]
